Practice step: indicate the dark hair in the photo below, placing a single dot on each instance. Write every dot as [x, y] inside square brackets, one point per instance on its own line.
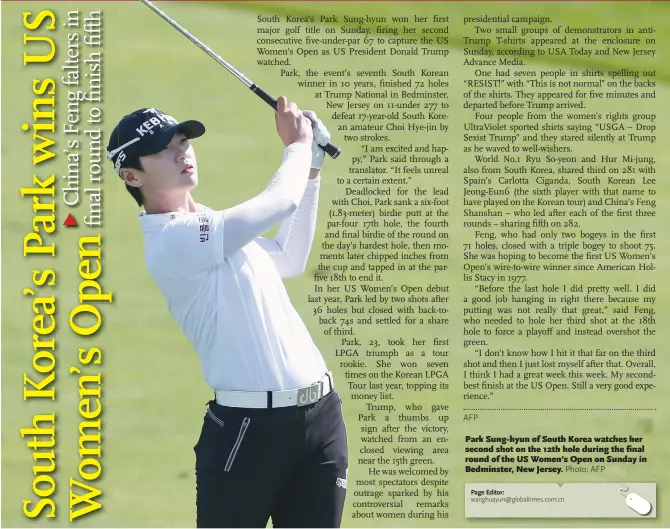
[135, 192]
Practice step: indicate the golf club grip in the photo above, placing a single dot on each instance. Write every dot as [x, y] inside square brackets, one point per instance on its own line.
[331, 150]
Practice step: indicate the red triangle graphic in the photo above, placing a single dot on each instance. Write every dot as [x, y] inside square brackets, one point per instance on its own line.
[70, 221]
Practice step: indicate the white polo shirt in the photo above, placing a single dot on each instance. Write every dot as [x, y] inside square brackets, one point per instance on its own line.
[223, 282]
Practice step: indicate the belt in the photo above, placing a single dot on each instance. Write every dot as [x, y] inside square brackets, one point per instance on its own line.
[277, 399]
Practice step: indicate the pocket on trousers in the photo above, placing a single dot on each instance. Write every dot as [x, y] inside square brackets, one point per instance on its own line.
[238, 443]
[214, 418]
[210, 420]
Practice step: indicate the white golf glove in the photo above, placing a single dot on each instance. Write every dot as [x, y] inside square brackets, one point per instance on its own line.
[321, 137]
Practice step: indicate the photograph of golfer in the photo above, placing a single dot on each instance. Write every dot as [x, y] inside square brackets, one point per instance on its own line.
[273, 442]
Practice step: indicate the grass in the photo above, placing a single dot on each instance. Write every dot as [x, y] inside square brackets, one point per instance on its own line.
[153, 393]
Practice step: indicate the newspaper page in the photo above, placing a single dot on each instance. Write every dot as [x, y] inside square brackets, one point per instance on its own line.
[435, 300]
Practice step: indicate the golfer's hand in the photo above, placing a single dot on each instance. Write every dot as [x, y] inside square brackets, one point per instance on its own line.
[292, 125]
[321, 137]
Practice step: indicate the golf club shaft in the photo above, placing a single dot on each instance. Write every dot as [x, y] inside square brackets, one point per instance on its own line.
[332, 150]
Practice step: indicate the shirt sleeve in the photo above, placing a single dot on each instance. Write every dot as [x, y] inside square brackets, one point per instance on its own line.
[291, 247]
[202, 240]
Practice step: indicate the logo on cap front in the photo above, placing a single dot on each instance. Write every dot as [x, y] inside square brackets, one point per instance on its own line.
[158, 120]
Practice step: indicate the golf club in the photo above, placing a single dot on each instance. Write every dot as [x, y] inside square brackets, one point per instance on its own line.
[332, 150]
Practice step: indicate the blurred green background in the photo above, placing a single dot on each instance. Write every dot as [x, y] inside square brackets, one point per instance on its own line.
[153, 394]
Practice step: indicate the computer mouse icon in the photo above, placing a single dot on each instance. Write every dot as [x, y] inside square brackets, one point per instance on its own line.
[638, 504]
